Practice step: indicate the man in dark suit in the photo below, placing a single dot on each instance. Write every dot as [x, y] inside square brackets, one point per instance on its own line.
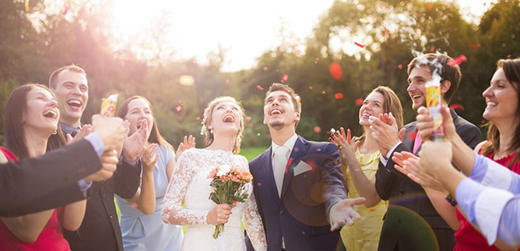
[412, 222]
[298, 185]
[100, 227]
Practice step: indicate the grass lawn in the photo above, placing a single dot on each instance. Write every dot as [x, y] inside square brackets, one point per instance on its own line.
[251, 152]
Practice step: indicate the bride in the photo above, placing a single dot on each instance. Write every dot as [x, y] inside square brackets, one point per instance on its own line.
[223, 125]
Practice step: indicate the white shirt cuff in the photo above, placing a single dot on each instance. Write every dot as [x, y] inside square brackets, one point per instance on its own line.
[384, 160]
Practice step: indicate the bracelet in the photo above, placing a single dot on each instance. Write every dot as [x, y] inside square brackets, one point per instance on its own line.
[451, 200]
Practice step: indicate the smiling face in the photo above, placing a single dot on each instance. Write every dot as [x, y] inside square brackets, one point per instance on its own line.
[138, 112]
[279, 111]
[72, 94]
[372, 106]
[417, 85]
[42, 113]
[226, 117]
[501, 99]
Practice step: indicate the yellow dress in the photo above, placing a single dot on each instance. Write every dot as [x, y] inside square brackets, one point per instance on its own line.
[364, 234]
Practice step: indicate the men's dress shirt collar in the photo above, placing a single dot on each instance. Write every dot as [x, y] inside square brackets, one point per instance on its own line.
[289, 143]
[68, 129]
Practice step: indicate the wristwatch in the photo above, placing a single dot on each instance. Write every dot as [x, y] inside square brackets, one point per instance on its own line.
[451, 200]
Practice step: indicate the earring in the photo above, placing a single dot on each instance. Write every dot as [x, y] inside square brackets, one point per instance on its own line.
[211, 131]
[55, 132]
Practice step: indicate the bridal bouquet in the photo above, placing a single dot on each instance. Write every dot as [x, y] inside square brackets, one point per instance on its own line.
[229, 187]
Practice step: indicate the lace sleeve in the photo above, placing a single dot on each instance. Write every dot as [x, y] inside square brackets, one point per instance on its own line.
[253, 222]
[173, 212]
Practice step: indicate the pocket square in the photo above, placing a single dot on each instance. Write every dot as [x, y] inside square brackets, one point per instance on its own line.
[301, 168]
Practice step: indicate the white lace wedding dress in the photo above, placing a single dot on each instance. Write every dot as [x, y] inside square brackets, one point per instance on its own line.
[190, 185]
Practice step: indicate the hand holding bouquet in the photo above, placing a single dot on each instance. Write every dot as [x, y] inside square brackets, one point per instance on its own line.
[229, 187]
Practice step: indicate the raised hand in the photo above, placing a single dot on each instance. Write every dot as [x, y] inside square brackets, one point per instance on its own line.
[134, 144]
[346, 145]
[110, 130]
[147, 158]
[219, 214]
[409, 165]
[385, 132]
[109, 162]
[425, 123]
[342, 212]
[185, 145]
[85, 130]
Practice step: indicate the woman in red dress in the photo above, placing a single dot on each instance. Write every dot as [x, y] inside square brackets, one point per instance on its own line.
[31, 129]
[503, 113]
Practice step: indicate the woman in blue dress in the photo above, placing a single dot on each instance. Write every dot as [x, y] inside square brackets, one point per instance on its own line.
[141, 223]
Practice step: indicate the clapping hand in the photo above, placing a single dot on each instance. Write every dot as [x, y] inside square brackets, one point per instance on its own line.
[110, 130]
[185, 145]
[134, 144]
[385, 131]
[346, 145]
[342, 212]
[147, 157]
[409, 165]
[84, 131]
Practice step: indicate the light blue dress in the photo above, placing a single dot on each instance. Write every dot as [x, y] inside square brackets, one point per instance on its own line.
[149, 232]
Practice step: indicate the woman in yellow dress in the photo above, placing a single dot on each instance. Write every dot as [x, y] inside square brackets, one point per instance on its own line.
[359, 162]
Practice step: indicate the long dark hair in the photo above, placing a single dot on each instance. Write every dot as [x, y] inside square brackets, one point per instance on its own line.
[155, 135]
[511, 68]
[15, 109]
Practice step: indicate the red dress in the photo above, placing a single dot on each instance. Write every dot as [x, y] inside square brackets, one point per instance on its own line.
[51, 237]
[467, 237]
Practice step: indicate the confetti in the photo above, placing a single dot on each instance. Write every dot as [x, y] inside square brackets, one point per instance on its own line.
[75, 3]
[458, 60]
[259, 87]
[310, 87]
[335, 71]
[316, 60]
[258, 134]
[338, 95]
[197, 118]
[178, 108]
[359, 102]
[360, 45]
[265, 68]
[432, 49]
[400, 66]
[227, 81]
[317, 129]
[387, 31]
[27, 5]
[285, 78]
[323, 92]
[248, 118]
[181, 102]
[66, 10]
[457, 107]
[430, 6]
[411, 136]
[475, 46]
[508, 56]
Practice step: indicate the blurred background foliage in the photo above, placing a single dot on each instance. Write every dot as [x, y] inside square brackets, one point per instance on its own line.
[35, 43]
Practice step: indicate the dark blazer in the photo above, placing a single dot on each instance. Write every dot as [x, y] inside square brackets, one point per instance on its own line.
[301, 215]
[411, 222]
[100, 227]
[35, 184]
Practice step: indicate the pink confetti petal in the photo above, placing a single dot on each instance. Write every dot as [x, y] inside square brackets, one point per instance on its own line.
[338, 95]
[181, 102]
[178, 108]
[259, 87]
[457, 107]
[317, 129]
[360, 45]
[285, 78]
[458, 60]
[248, 118]
[400, 66]
[335, 71]
[359, 102]
[66, 10]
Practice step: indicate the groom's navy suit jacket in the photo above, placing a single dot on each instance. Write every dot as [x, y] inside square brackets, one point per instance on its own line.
[313, 183]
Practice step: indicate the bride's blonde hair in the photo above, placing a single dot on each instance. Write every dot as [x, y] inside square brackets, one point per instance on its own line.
[208, 140]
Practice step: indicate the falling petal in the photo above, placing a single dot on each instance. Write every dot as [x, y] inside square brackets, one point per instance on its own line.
[457, 107]
[310, 87]
[197, 118]
[387, 31]
[411, 136]
[259, 87]
[458, 60]
[285, 78]
[338, 95]
[400, 66]
[430, 6]
[360, 45]
[475, 46]
[178, 108]
[248, 118]
[335, 71]
[66, 10]
[359, 102]
[323, 92]
[265, 68]
[181, 102]
[317, 129]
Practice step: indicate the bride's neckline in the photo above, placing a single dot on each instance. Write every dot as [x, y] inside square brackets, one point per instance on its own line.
[216, 150]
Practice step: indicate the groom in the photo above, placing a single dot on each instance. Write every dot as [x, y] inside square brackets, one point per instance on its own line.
[299, 188]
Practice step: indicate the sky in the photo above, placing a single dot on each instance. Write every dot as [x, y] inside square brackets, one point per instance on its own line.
[245, 28]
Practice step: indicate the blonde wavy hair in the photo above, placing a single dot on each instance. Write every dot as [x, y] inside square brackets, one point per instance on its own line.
[208, 140]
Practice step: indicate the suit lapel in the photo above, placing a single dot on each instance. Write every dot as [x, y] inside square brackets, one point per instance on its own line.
[299, 150]
[409, 136]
